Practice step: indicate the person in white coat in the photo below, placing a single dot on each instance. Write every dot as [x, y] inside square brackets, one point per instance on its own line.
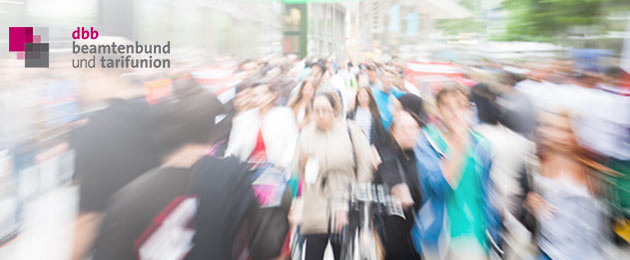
[265, 133]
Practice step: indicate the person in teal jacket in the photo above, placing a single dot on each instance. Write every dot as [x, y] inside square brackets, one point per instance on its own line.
[456, 219]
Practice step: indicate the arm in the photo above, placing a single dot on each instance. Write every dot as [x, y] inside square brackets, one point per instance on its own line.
[430, 174]
[86, 228]
[452, 165]
[299, 160]
[237, 138]
[289, 138]
[362, 151]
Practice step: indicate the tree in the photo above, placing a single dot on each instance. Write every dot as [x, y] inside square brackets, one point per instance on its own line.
[546, 20]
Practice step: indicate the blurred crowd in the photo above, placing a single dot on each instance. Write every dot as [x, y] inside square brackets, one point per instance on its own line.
[292, 157]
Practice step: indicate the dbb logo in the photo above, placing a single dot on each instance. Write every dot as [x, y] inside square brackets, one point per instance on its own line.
[82, 33]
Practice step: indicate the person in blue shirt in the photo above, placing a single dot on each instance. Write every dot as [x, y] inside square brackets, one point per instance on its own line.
[384, 91]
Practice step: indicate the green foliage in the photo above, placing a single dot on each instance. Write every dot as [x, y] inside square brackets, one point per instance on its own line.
[548, 19]
[457, 26]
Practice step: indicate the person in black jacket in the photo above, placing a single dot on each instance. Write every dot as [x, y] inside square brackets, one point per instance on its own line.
[398, 171]
[115, 145]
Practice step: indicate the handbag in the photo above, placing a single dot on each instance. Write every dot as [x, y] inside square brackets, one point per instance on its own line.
[269, 223]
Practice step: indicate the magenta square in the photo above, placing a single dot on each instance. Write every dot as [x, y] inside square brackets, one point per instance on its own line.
[37, 38]
[19, 36]
[20, 55]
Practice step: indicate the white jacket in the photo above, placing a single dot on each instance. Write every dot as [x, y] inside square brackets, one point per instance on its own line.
[279, 131]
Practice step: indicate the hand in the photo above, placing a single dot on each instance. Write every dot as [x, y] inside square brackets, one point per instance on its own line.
[296, 211]
[401, 193]
[538, 205]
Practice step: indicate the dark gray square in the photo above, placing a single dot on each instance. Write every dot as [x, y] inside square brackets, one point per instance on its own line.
[36, 55]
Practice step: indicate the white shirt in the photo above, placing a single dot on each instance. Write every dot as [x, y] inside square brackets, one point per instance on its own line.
[279, 131]
[363, 119]
[510, 153]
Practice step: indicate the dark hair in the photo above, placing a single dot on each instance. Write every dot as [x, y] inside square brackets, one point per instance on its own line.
[320, 64]
[189, 120]
[392, 140]
[299, 95]
[485, 99]
[243, 85]
[331, 98]
[415, 106]
[373, 107]
[282, 87]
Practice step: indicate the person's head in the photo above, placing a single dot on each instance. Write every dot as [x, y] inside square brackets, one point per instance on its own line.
[453, 108]
[325, 109]
[484, 99]
[405, 129]
[390, 78]
[372, 75]
[556, 133]
[502, 81]
[243, 99]
[185, 122]
[414, 105]
[365, 99]
[318, 69]
[307, 90]
[557, 138]
[305, 93]
[264, 94]
[362, 80]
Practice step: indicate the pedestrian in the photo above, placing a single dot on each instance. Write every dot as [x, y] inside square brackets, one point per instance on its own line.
[367, 116]
[570, 216]
[333, 156]
[385, 94]
[301, 104]
[454, 164]
[131, 227]
[265, 133]
[399, 172]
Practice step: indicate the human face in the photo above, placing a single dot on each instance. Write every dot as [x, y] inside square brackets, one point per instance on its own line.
[243, 100]
[364, 98]
[372, 76]
[263, 96]
[324, 113]
[405, 130]
[389, 81]
[454, 111]
[308, 91]
[556, 133]
[316, 72]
